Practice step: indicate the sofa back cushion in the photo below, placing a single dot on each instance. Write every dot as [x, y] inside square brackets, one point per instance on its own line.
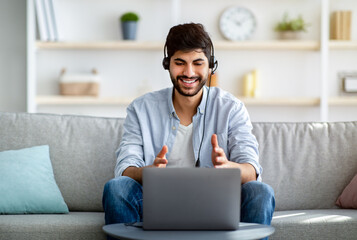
[307, 164]
[82, 151]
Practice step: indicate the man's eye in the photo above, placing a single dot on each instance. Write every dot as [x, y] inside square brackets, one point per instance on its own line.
[198, 63]
[179, 63]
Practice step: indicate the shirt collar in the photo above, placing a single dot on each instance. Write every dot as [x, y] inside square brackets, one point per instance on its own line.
[170, 102]
[200, 108]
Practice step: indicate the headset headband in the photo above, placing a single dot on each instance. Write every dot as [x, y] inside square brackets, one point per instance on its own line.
[212, 62]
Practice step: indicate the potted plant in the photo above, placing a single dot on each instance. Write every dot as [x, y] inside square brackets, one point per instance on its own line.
[129, 25]
[291, 28]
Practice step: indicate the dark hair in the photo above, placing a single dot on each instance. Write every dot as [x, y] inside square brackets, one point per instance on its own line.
[187, 37]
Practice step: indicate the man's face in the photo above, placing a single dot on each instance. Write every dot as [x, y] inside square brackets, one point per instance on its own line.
[189, 71]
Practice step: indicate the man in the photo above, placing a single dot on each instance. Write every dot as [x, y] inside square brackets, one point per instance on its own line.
[187, 125]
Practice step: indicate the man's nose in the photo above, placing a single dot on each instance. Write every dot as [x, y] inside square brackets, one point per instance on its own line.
[189, 70]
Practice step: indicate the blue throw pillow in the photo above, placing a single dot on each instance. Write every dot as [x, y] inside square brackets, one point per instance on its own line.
[27, 183]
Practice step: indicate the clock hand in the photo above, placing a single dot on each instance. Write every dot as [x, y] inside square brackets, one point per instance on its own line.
[244, 20]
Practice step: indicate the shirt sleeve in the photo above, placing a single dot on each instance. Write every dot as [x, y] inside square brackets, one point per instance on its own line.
[130, 151]
[243, 145]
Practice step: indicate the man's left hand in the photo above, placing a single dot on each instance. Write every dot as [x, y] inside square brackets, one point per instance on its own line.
[219, 158]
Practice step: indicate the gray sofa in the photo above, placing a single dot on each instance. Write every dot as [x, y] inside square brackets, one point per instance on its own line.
[307, 164]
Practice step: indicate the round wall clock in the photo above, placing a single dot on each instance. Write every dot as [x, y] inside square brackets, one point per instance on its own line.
[237, 23]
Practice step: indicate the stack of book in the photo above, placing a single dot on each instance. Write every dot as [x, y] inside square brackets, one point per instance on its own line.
[341, 25]
[46, 20]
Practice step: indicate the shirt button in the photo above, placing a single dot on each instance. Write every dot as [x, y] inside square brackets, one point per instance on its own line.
[173, 128]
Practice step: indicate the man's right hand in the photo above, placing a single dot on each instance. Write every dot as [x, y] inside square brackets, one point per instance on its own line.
[160, 160]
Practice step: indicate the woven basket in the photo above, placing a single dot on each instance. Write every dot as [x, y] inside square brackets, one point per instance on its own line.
[80, 89]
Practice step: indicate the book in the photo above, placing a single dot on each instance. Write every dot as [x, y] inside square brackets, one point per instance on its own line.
[338, 25]
[333, 26]
[48, 17]
[41, 20]
[341, 25]
[348, 25]
[54, 19]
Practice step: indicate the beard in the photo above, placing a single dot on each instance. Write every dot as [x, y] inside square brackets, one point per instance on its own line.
[181, 89]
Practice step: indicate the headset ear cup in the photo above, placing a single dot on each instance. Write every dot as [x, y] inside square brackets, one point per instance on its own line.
[166, 63]
[213, 64]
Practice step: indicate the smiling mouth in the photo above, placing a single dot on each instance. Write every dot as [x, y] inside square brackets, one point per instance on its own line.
[188, 80]
[192, 81]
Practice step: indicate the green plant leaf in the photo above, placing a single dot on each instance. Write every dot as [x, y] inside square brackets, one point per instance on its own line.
[129, 16]
[296, 24]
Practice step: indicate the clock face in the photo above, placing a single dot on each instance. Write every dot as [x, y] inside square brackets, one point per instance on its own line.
[237, 23]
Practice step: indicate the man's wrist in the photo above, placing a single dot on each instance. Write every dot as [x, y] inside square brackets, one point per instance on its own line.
[134, 173]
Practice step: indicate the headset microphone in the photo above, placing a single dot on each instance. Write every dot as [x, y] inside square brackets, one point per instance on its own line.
[198, 163]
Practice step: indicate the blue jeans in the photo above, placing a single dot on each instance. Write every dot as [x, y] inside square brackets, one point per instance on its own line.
[122, 202]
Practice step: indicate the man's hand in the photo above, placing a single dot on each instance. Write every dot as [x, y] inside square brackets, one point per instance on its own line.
[137, 173]
[219, 158]
[160, 160]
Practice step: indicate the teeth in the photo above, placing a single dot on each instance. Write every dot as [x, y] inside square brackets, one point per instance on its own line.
[188, 81]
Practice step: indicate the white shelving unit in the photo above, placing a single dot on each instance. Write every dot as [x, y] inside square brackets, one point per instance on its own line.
[145, 45]
[31, 58]
[322, 47]
[324, 56]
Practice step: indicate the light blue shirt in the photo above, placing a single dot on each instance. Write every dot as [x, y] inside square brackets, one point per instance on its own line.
[152, 122]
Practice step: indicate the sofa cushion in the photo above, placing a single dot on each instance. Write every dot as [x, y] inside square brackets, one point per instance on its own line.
[315, 224]
[75, 225]
[307, 164]
[82, 151]
[27, 184]
[348, 198]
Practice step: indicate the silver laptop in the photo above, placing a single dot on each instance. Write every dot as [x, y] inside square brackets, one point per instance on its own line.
[191, 198]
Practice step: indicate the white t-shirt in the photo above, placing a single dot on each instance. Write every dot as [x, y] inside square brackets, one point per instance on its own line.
[182, 151]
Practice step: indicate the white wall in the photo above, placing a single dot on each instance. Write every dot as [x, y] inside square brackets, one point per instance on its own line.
[12, 55]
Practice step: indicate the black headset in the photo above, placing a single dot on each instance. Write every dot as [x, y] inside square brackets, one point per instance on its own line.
[212, 63]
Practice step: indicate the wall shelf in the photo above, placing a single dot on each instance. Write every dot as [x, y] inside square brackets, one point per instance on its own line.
[103, 45]
[281, 101]
[261, 101]
[268, 45]
[343, 101]
[342, 45]
[84, 100]
[155, 45]
[81, 100]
